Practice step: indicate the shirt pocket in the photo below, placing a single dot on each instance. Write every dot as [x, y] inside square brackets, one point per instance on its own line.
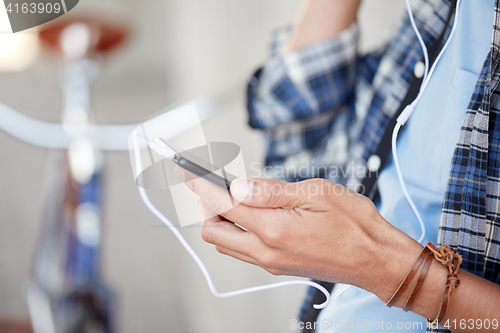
[463, 83]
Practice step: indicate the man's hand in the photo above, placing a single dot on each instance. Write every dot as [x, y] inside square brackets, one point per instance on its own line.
[321, 230]
[313, 229]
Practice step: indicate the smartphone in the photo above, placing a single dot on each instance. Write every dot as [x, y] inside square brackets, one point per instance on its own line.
[210, 175]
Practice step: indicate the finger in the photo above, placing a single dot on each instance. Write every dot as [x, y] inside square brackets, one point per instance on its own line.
[206, 212]
[237, 255]
[269, 193]
[217, 198]
[226, 235]
[220, 202]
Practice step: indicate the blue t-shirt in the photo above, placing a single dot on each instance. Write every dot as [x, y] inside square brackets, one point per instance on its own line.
[425, 149]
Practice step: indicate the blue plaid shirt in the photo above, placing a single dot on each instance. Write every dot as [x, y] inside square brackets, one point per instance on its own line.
[325, 108]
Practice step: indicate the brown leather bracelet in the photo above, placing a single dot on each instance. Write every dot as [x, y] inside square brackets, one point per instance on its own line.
[452, 281]
[451, 260]
[409, 277]
[420, 281]
[446, 298]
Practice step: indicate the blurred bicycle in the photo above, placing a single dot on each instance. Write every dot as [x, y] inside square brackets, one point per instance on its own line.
[66, 292]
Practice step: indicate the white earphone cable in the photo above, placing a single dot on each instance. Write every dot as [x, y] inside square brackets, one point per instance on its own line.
[405, 115]
[420, 39]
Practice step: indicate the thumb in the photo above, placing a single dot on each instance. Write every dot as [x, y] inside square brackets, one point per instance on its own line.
[268, 193]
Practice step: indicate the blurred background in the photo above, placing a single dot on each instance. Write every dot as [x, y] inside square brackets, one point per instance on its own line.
[177, 49]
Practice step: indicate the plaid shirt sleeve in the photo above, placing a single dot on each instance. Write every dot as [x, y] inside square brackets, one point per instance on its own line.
[303, 101]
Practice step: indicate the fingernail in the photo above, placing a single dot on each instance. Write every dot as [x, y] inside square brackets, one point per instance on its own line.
[180, 173]
[242, 189]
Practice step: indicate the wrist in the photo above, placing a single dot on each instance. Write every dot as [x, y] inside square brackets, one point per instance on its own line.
[395, 258]
[320, 20]
[429, 300]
